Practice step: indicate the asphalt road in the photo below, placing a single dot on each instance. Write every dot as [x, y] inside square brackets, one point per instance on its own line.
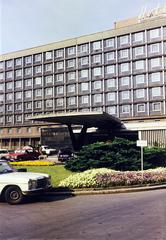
[127, 216]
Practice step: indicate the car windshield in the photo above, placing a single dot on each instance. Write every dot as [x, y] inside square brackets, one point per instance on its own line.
[6, 168]
[3, 151]
[20, 151]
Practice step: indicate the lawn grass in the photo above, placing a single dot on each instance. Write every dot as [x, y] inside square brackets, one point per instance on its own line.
[57, 172]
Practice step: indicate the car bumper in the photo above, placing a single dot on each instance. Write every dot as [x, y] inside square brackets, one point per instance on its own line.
[36, 191]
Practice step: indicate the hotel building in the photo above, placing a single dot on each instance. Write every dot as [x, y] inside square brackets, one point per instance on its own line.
[121, 71]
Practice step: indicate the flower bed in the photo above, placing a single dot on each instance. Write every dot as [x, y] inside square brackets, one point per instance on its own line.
[108, 178]
[33, 163]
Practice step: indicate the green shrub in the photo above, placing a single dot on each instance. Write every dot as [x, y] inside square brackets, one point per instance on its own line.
[121, 155]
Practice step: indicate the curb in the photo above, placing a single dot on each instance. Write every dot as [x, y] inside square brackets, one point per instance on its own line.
[106, 191]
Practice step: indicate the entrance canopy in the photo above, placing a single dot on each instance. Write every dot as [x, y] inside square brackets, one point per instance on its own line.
[100, 120]
[88, 119]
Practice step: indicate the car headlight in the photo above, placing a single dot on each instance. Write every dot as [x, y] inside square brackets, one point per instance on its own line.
[32, 184]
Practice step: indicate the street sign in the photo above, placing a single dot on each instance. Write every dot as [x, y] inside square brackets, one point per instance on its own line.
[142, 143]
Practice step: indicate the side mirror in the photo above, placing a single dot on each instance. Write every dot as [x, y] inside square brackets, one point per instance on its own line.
[22, 170]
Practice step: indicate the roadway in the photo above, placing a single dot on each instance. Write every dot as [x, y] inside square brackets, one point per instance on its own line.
[123, 216]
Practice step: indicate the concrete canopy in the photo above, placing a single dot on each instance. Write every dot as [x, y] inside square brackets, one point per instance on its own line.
[88, 119]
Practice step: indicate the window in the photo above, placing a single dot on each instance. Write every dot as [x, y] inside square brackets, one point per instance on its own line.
[9, 75]
[10, 130]
[83, 48]
[126, 109]
[48, 67]
[85, 99]
[124, 67]
[110, 56]
[140, 107]
[124, 53]
[154, 33]
[60, 102]
[9, 86]
[18, 61]
[18, 84]
[49, 103]
[2, 97]
[38, 92]
[59, 77]
[84, 86]
[154, 48]
[125, 81]
[28, 105]
[28, 60]
[97, 71]
[18, 73]
[156, 106]
[124, 40]
[125, 95]
[71, 63]
[9, 108]
[97, 98]
[110, 69]
[38, 69]
[18, 130]
[18, 106]
[96, 45]
[139, 37]
[111, 96]
[71, 88]
[72, 75]
[1, 65]
[110, 83]
[111, 110]
[48, 79]
[38, 80]
[9, 63]
[109, 42]
[48, 55]
[156, 77]
[49, 91]
[155, 62]
[28, 82]
[60, 90]
[156, 92]
[38, 58]
[139, 51]
[72, 100]
[18, 118]
[139, 65]
[84, 60]
[59, 53]
[59, 65]
[84, 73]
[28, 94]
[29, 130]
[1, 76]
[9, 119]
[1, 87]
[97, 85]
[9, 96]
[140, 79]
[140, 93]
[28, 71]
[38, 104]
[71, 50]
[97, 58]
[18, 95]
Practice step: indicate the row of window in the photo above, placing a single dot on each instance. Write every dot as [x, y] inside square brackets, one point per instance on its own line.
[155, 77]
[97, 58]
[97, 45]
[19, 130]
[126, 94]
[124, 109]
[123, 68]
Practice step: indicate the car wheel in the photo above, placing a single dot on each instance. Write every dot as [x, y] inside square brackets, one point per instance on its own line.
[13, 195]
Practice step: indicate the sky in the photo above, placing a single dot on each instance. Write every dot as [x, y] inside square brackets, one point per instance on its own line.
[29, 23]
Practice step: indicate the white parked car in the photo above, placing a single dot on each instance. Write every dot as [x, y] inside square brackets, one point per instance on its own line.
[14, 185]
[3, 153]
[47, 150]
